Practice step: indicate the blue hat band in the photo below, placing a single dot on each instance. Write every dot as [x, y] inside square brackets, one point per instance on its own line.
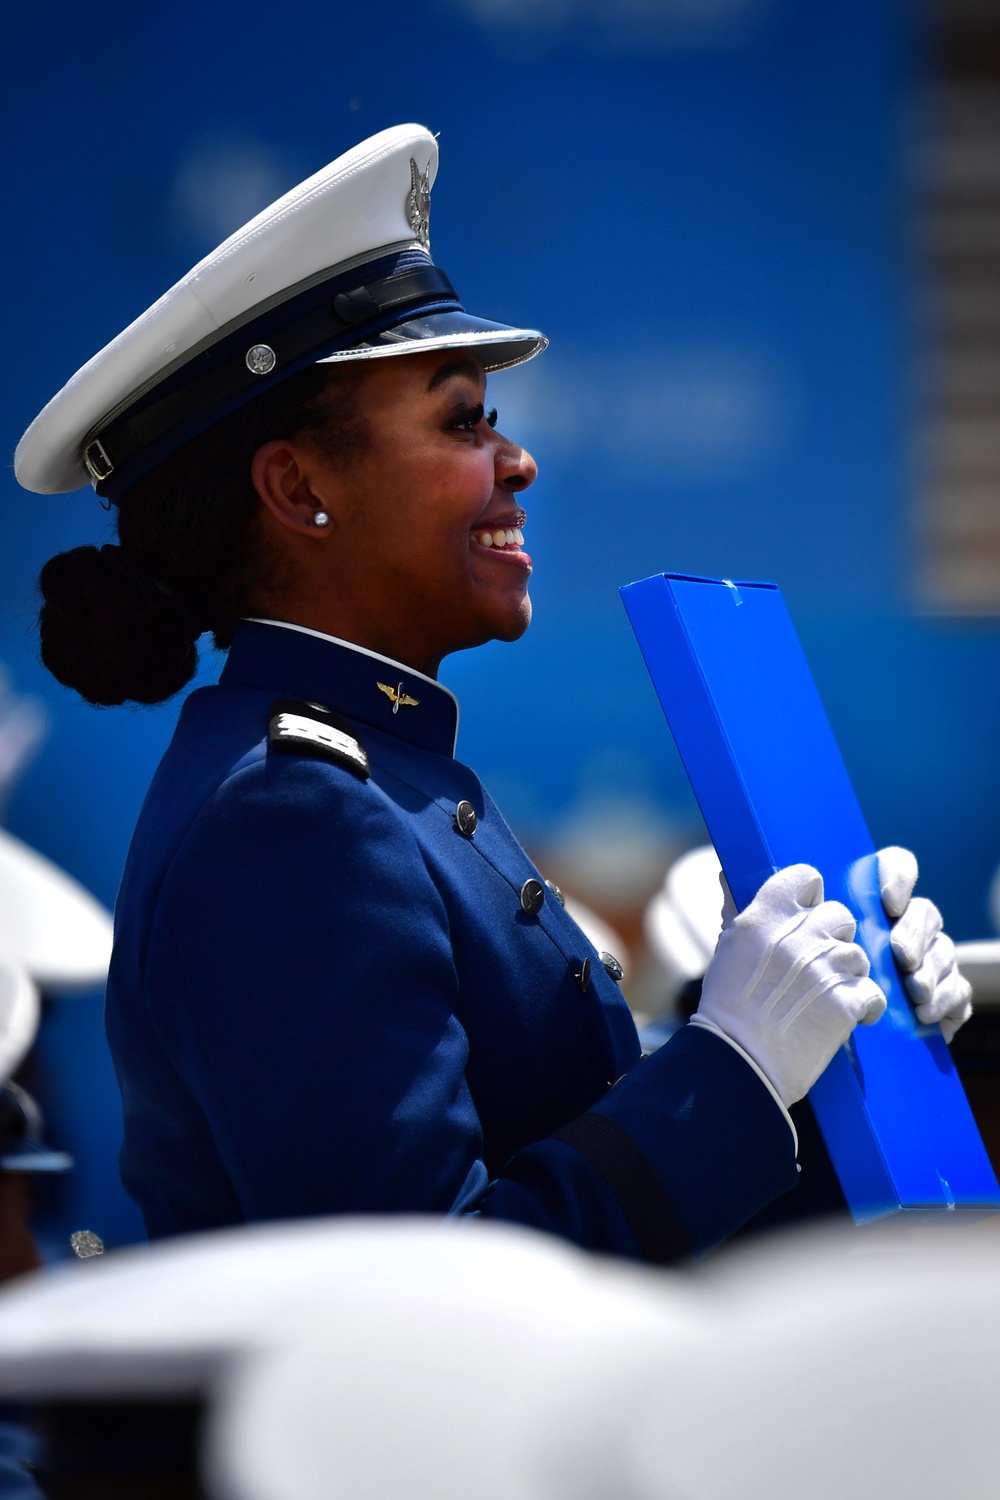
[332, 314]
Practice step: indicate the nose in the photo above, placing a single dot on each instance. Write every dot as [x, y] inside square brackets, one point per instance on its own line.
[514, 467]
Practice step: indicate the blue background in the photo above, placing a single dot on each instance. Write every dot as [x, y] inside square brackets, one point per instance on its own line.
[704, 205]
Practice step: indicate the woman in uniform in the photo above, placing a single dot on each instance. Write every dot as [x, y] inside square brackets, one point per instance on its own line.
[339, 984]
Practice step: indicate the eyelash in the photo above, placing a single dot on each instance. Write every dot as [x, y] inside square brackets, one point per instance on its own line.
[469, 419]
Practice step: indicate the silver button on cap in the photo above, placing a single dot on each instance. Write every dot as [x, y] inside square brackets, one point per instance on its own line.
[261, 359]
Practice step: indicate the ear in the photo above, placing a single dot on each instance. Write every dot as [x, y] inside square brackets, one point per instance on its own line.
[286, 480]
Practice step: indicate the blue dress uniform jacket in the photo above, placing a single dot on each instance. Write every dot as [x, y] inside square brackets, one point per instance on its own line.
[327, 995]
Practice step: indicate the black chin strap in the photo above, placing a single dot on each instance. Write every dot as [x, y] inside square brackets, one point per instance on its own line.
[248, 358]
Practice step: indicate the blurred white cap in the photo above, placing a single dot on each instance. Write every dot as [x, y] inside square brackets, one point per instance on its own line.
[497, 1365]
[19, 1015]
[379, 1359]
[168, 1318]
[49, 924]
[683, 920]
[862, 1364]
[336, 269]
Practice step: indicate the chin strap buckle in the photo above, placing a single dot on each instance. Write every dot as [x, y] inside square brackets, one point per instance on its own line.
[99, 465]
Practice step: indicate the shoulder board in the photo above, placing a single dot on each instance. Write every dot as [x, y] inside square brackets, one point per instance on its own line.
[309, 728]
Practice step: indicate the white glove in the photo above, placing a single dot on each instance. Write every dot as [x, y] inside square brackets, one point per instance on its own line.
[925, 954]
[787, 984]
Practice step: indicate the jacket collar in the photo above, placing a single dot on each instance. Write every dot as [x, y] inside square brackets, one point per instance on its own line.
[295, 662]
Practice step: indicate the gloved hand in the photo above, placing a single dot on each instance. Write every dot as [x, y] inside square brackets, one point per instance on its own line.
[925, 955]
[787, 984]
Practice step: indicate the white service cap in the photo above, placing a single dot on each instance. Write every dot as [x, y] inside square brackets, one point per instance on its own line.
[337, 269]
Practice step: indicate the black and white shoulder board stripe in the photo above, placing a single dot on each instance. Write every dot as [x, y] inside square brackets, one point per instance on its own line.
[311, 729]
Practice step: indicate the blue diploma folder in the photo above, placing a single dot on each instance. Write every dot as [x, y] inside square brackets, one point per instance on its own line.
[756, 743]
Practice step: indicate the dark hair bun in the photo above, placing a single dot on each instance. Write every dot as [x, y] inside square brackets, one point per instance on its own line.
[110, 631]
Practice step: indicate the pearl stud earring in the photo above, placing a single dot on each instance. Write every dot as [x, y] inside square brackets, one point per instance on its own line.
[321, 518]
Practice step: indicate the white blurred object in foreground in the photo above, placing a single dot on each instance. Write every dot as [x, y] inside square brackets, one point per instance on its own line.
[850, 1364]
[979, 962]
[431, 1360]
[170, 1318]
[684, 919]
[23, 726]
[48, 923]
[818, 1369]
[20, 1012]
[391, 1357]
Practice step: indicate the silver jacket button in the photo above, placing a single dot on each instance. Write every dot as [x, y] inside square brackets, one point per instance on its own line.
[556, 892]
[532, 897]
[465, 819]
[612, 967]
[583, 976]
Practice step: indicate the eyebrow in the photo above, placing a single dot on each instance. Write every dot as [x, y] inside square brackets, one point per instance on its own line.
[455, 367]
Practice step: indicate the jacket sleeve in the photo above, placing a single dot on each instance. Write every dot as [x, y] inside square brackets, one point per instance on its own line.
[300, 979]
[676, 1157]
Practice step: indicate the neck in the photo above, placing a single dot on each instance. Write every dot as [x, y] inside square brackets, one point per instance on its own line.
[406, 649]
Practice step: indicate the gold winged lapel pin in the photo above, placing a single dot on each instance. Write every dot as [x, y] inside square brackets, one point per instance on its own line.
[397, 697]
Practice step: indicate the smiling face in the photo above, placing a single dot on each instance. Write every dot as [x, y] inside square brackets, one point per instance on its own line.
[423, 554]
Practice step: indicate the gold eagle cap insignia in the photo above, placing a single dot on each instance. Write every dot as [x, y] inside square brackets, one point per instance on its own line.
[397, 697]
